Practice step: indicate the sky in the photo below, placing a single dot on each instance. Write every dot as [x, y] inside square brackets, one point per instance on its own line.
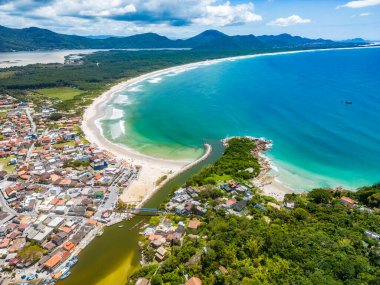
[329, 19]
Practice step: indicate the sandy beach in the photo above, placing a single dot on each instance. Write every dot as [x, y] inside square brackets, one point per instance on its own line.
[152, 168]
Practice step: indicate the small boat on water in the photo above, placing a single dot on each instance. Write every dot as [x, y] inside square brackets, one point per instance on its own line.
[72, 262]
[121, 226]
[99, 234]
[67, 274]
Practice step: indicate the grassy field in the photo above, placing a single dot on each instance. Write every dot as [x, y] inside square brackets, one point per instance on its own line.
[7, 74]
[62, 93]
[4, 164]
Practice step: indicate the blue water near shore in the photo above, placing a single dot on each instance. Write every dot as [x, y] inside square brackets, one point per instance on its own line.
[295, 100]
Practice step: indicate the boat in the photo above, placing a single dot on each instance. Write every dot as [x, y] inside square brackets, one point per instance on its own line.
[121, 226]
[73, 261]
[348, 102]
[67, 274]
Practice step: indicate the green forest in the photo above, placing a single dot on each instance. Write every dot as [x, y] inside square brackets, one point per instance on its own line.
[234, 164]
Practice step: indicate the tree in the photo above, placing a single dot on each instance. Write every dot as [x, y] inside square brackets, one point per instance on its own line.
[320, 196]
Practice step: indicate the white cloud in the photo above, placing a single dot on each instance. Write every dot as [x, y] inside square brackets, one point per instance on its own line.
[227, 14]
[364, 14]
[289, 21]
[360, 4]
[127, 16]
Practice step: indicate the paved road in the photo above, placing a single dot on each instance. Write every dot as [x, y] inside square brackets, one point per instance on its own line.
[110, 202]
[27, 111]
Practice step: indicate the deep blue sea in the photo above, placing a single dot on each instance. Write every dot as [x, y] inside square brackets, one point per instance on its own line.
[296, 100]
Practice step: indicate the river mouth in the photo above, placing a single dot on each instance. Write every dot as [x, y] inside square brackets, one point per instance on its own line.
[115, 256]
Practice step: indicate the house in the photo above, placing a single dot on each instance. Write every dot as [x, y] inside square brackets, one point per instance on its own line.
[290, 204]
[198, 210]
[160, 254]
[142, 281]
[239, 205]
[43, 235]
[348, 201]
[230, 202]
[99, 164]
[158, 242]
[193, 224]
[53, 262]
[68, 246]
[194, 281]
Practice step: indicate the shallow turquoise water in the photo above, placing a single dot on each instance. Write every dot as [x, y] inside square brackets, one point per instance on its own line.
[295, 100]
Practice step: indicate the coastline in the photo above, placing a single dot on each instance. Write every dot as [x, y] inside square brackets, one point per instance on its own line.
[154, 168]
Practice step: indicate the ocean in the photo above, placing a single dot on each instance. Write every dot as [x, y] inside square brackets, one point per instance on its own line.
[321, 110]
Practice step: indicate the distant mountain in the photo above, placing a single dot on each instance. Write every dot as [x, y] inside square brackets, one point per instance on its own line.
[35, 38]
[42, 39]
[212, 39]
[286, 40]
[356, 40]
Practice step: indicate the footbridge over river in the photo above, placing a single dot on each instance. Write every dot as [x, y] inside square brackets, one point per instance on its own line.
[145, 211]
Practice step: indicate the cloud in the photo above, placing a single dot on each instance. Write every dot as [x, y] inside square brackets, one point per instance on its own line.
[168, 12]
[360, 4]
[289, 21]
[227, 14]
[364, 14]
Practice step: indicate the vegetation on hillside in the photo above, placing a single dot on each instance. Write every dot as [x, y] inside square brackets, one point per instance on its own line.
[369, 196]
[237, 163]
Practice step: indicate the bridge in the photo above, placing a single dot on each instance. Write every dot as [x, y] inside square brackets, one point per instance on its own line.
[146, 211]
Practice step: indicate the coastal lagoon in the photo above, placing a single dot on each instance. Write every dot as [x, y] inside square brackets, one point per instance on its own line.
[22, 58]
[321, 109]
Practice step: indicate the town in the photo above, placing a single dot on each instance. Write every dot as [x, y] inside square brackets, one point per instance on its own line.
[58, 191]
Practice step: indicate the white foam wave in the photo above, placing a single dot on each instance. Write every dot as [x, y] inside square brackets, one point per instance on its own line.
[278, 180]
[122, 99]
[116, 114]
[135, 88]
[181, 70]
[155, 80]
[273, 166]
[122, 126]
[117, 129]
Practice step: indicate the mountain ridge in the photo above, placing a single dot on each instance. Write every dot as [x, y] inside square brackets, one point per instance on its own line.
[33, 38]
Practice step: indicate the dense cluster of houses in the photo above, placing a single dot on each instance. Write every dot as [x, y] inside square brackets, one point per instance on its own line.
[56, 188]
[185, 201]
[162, 236]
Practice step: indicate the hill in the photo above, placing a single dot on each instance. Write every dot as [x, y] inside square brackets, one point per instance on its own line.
[30, 39]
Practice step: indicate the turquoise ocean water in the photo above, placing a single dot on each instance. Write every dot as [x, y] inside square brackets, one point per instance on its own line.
[295, 100]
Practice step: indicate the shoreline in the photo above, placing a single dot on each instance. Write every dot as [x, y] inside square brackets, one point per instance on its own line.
[153, 168]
